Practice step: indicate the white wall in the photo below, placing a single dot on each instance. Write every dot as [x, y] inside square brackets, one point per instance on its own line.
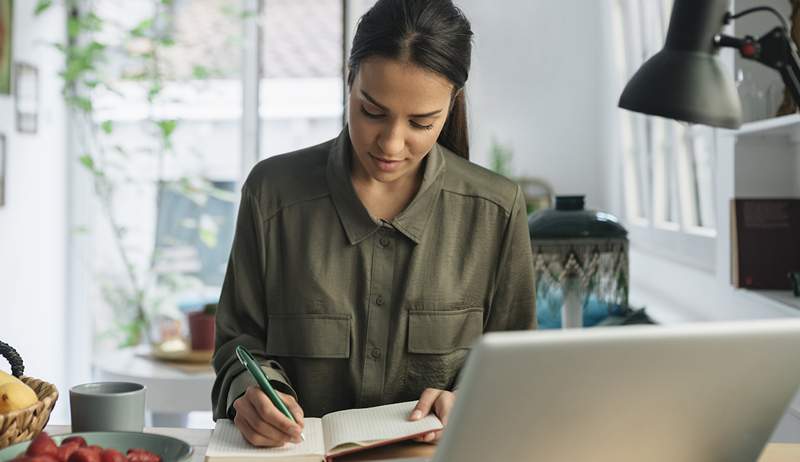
[536, 85]
[33, 221]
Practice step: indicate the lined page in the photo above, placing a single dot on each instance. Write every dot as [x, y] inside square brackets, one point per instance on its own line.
[228, 444]
[374, 424]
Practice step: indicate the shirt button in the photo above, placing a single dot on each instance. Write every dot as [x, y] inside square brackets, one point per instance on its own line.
[379, 300]
[384, 242]
[375, 353]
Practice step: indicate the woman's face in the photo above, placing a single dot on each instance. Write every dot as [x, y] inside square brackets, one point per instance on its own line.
[397, 111]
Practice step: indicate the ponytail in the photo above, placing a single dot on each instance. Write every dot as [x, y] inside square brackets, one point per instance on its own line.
[454, 135]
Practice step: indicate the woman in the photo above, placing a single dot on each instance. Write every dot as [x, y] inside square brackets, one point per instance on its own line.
[363, 268]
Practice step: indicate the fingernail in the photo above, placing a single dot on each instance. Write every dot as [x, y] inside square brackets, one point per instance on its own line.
[429, 437]
[416, 414]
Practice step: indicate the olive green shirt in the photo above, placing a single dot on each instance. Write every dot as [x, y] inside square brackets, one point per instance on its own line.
[345, 311]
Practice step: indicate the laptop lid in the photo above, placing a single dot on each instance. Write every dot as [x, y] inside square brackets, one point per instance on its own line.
[692, 392]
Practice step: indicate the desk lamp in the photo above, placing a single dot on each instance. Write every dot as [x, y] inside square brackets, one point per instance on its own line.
[686, 81]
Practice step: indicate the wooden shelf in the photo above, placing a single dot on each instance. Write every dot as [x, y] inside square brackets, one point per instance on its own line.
[788, 125]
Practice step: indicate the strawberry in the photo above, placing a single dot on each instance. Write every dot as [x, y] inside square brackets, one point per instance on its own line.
[75, 439]
[44, 458]
[112, 455]
[66, 450]
[84, 455]
[42, 445]
[142, 455]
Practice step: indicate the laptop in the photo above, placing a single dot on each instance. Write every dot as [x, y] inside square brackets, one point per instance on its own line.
[692, 392]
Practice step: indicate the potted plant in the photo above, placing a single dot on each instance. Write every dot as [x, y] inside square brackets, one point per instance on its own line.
[136, 283]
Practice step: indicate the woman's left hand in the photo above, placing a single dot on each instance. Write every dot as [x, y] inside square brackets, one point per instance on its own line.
[441, 403]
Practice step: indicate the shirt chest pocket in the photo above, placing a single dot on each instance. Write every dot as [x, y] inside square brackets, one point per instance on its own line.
[309, 335]
[443, 332]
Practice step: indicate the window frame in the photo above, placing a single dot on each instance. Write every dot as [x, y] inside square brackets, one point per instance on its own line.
[657, 176]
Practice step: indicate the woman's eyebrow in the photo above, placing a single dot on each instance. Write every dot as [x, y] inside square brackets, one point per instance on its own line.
[384, 108]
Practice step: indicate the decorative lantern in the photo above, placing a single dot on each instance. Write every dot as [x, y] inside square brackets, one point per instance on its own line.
[580, 265]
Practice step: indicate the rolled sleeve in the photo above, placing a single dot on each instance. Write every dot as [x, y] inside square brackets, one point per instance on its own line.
[243, 380]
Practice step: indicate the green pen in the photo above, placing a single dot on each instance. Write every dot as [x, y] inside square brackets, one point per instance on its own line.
[250, 363]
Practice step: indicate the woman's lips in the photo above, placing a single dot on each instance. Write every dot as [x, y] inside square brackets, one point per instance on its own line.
[386, 165]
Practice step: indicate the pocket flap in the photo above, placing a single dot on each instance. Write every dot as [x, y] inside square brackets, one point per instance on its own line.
[439, 332]
[309, 336]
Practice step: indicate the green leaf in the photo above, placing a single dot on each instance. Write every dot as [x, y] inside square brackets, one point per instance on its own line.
[79, 102]
[166, 41]
[208, 231]
[500, 157]
[107, 126]
[41, 6]
[154, 90]
[132, 332]
[91, 22]
[200, 72]
[94, 47]
[73, 28]
[87, 161]
[167, 127]
[208, 237]
[141, 28]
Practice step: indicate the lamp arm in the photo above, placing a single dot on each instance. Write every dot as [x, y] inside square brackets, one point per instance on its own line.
[775, 50]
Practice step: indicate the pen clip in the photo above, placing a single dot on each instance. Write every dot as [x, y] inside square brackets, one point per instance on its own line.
[244, 356]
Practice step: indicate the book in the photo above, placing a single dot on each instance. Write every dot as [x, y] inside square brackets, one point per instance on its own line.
[333, 435]
[765, 242]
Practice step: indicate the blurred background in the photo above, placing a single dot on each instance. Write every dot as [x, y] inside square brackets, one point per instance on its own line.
[127, 128]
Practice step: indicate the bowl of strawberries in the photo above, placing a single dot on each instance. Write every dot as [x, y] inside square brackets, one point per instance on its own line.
[98, 447]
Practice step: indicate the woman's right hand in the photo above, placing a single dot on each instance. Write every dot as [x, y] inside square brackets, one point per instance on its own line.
[262, 424]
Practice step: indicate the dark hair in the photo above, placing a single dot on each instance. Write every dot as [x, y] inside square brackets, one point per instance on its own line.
[433, 34]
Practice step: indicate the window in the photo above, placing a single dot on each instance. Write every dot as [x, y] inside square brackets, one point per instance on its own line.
[301, 73]
[187, 96]
[668, 183]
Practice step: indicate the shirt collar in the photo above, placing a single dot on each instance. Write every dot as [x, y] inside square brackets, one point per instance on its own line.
[355, 219]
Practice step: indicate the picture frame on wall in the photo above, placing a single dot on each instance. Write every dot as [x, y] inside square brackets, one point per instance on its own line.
[2, 170]
[6, 45]
[26, 96]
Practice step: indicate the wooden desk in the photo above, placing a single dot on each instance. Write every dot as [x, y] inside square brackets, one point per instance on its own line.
[198, 439]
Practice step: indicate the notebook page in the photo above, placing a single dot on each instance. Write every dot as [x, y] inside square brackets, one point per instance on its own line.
[374, 424]
[227, 443]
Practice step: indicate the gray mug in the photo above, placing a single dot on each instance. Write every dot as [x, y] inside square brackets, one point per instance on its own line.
[107, 406]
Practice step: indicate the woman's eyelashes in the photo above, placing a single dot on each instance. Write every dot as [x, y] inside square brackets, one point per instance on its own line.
[372, 115]
[420, 126]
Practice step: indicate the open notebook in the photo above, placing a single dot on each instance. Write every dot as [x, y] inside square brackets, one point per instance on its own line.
[335, 434]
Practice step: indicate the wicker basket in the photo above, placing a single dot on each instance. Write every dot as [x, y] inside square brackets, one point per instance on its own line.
[24, 424]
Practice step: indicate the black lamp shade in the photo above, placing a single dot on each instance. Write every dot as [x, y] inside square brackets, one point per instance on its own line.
[686, 81]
